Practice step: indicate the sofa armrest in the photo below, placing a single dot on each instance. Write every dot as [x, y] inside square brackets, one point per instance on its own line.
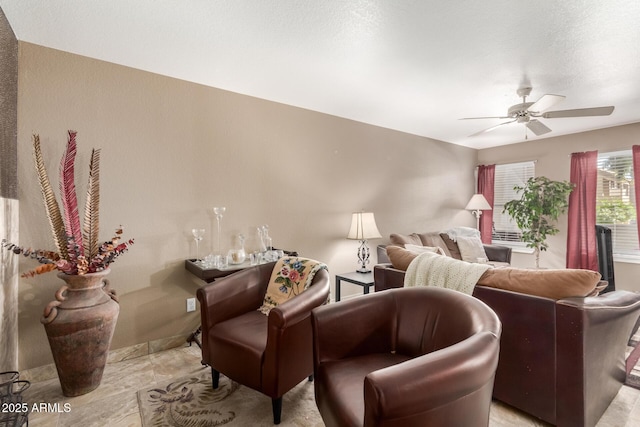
[592, 335]
[404, 390]
[387, 277]
[383, 258]
[498, 253]
[352, 328]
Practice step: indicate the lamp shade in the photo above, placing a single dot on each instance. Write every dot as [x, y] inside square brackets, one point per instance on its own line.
[363, 227]
[478, 203]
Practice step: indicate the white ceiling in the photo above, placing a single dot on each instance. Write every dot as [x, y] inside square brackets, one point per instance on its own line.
[412, 65]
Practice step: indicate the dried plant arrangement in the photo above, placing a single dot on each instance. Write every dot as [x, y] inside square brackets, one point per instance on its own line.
[78, 250]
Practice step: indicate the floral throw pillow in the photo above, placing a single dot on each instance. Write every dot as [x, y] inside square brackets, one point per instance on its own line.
[290, 277]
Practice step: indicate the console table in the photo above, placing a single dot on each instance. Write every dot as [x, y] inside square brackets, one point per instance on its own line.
[211, 274]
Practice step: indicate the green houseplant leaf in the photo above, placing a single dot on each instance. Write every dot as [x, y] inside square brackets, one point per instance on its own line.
[538, 209]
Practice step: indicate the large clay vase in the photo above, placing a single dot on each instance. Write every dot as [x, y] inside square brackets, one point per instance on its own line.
[80, 325]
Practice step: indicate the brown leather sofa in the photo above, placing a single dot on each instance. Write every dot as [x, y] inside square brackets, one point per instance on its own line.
[560, 360]
[270, 354]
[407, 357]
[495, 253]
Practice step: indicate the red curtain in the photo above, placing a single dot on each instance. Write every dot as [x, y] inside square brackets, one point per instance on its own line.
[581, 235]
[635, 149]
[486, 176]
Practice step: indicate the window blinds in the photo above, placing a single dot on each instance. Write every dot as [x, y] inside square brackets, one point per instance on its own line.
[615, 201]
[508, 176]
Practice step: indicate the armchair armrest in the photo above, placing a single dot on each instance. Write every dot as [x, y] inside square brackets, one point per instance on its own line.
[403, 390]
[354, 327]
[299, 308]
[289, 332]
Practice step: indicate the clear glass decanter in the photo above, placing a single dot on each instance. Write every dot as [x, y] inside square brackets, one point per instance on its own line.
[238, 255]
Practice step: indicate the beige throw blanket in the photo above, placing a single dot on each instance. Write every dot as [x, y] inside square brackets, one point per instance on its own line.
[429, 269]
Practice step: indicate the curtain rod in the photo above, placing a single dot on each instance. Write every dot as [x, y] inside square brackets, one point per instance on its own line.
[508, 163]
[608, 151]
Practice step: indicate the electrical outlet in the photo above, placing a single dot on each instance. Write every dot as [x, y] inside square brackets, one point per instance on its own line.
[191, 305]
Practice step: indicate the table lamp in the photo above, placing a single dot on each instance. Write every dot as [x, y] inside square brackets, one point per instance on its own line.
[363, 227]
[477, 204]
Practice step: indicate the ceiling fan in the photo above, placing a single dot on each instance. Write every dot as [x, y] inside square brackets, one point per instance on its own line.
[528, 112]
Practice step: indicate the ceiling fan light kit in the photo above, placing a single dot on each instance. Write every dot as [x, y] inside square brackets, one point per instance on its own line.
[527, 112]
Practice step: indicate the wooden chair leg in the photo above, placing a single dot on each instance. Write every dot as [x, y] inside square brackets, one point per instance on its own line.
[276, 404]
[311, 378]
[215, 378]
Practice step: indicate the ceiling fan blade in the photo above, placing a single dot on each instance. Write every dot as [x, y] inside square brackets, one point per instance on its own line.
[491, 117]
[580, 112]
[537, 127]
[492, 128]
[547, 101]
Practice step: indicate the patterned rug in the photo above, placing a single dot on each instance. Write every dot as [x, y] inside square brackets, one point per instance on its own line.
[191, 402]
[633, 359]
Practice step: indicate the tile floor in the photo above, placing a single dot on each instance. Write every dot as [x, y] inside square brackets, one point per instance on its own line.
[115, 403]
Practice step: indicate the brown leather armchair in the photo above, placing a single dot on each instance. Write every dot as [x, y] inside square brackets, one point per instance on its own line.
[405, 357]
[270, 354]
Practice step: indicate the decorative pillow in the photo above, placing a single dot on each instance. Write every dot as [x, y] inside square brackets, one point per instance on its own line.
[403, 239]
[471, 249]
[400, 257]
[554, 284]
[433, 239]
[290, 277]
[601, 286]
[420, 249]
[451, 245]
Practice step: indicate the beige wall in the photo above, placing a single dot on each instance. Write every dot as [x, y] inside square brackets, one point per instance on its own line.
[171, 150]
[552, 156]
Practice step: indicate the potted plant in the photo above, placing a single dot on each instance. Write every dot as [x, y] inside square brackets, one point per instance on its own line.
[536, 212]
[81, 321]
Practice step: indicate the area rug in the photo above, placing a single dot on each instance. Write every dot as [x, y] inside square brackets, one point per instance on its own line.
[191, 402]
[633, 359]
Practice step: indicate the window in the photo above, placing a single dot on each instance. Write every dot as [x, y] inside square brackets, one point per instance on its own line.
[615, 202]
[505, 231]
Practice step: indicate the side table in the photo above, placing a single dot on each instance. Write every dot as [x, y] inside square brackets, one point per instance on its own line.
[361, 279]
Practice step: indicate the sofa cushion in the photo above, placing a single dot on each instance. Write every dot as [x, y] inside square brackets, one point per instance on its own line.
[601, 286]
[434, 239]
[403, 239]
[553, 284]
[451, 246]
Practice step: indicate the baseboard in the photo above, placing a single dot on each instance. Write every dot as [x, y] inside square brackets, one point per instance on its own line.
[48, 372]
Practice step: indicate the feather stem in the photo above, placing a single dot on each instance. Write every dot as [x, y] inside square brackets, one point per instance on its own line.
[68, 196]
[49, 199]
[92, 207]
